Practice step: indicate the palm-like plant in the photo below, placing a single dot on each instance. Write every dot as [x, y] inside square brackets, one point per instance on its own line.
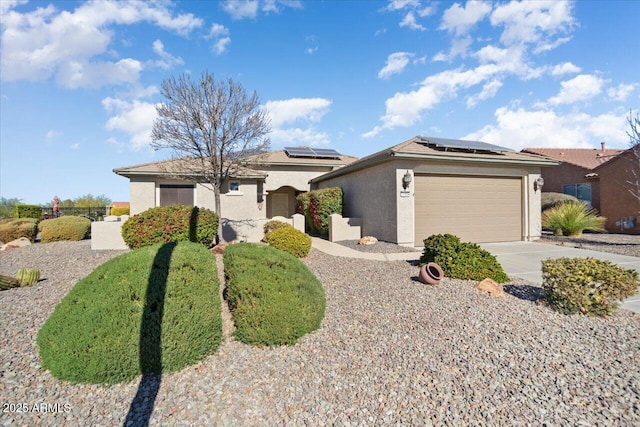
[572, 218]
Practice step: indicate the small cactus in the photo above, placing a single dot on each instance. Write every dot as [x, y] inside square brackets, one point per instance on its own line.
[7, 282]
[28, 276]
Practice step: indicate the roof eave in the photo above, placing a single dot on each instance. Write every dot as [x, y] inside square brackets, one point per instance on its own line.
[129, 174]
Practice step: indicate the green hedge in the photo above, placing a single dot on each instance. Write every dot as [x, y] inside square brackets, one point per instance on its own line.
[459, 260]
[274, 298]
[322, 204]
[171, 224]
[12, 229]
[290, 240]
[586, 285]
[152, 310]
[64, 228]
[118, 211]
[302, 207]
[28, 211]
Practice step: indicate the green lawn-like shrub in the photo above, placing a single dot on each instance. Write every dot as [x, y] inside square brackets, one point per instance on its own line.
[12, 229]
[274, 298]
[571, 218]
[290, 240]
[152, 310]
[586, 285]
[28, 211]
[64, 228]
[269, 226]
[551, 199]
[118, 211]
[166, 224]
[322, 204]
[461, 260]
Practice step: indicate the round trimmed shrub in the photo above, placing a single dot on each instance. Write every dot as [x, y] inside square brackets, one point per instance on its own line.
[65, 228]
[152, 310]
[290, 240]
[274, 298]
[16, 228]
[550, 199]
[269, 226]
[461, 260]
[586, 285]
[166, 224]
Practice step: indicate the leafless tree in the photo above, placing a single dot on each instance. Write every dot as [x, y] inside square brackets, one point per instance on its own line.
[634, 144]
[210, 126]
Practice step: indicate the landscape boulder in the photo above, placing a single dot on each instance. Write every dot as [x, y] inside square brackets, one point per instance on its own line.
[368, 240]
[491, 287]
[17, 243]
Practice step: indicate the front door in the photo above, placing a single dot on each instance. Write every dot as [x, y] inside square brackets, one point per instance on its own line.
[279, 204]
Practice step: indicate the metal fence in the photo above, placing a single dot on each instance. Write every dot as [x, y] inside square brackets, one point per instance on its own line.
[96, 213]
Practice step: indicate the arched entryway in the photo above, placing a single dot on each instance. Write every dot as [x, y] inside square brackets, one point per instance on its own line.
[281, 202]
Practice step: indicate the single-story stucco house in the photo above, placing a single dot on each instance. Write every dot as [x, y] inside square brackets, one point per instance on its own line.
[478, 191]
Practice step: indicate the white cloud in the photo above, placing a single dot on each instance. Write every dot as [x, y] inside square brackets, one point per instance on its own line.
[221, 45]
[565, 68]
[459, 20]
[241, 9]
[580, 88]
[166, 59]
[533, 22]
[74, 146]
[292, 110]
[402, 4]
[51, 135]
[6, 5]
[220, 33]
[621, 92]
[519, 128]
[410, 22]
[298, 136]
[489, 90]
[75, 74]
[396, 62]
[218, 30]
[134, 118]
[45, 42]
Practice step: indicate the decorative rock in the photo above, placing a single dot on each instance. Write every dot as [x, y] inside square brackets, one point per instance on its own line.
[219, 248]
[491, 287]
[368, 240]
[18, 243]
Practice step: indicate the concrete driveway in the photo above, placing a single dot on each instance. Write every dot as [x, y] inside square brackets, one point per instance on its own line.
[523, 259]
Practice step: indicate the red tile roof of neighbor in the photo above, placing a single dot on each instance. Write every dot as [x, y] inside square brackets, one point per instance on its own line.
[119, 204]
[587, 158]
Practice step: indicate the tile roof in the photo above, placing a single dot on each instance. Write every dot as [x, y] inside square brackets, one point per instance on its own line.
[280, 157]
[187, 166]
[587, 158]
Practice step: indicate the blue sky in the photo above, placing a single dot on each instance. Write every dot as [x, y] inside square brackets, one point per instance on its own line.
[79, 80]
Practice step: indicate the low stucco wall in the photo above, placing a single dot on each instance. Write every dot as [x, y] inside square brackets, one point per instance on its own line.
[344, 228]
[249, 230]
[107, 235]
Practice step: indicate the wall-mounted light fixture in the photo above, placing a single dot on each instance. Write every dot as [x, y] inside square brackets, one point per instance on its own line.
[406, 180]
[538, 184]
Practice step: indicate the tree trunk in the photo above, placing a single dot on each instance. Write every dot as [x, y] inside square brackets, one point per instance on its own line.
[216, 196]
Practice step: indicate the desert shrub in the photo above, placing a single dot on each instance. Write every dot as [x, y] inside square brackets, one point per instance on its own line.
[166, 224]
[571, 218]
[290, 240]
[16, 228]
[65, 228]
[28, 211]
[551, 199]
[274, 298]
[269, 226]
[461, 260]
[302, 207]
[118, 211]
[152, 310]
[586, 285]
[322, 204]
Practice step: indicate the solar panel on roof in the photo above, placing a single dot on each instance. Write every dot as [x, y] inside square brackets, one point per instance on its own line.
[318, 153]
[458, 144]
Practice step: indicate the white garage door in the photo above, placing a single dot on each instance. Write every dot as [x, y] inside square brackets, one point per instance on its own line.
[474, 208]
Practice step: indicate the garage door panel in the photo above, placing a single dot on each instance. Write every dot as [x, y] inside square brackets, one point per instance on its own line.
[477, 209]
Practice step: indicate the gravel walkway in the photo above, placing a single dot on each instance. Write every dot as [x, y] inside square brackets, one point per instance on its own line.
[379, 248]
[391, 351]
[621, 244]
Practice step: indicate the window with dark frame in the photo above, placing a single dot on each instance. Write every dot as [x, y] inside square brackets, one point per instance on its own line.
[176, 194]
[580, 191]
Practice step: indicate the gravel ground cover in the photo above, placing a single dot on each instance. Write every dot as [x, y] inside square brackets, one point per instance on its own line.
[621, 244]
[380, 247]
[390, 351]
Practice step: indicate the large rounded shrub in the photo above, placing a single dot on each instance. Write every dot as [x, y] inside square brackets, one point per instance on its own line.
[12, 229]
[152, 310]
[166, 224]
[64, 228]
[274, 298]
[461, 260]
[290, 240]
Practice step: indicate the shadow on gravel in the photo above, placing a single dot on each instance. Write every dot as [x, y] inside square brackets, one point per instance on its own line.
[142, 405]
[525, 292]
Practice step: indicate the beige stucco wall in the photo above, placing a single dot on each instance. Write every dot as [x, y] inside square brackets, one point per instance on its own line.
[375, 194]
[142, 193]
[297, 177]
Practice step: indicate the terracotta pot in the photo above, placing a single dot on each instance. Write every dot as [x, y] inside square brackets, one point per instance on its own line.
[430, 274]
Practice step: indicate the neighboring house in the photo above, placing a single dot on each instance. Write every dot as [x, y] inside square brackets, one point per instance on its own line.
[600, 177]
[423, 186]
[575, 175]
[264, 187]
